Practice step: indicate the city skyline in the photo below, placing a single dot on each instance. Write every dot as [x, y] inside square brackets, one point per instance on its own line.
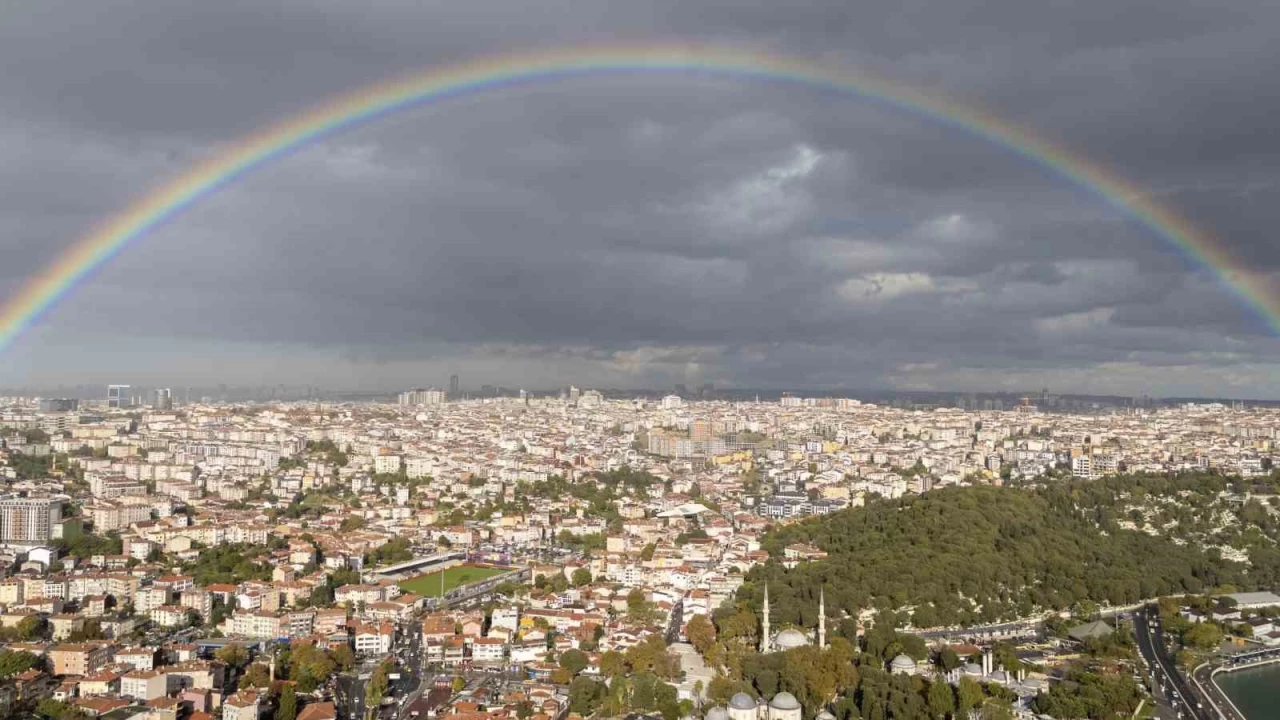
[658, 360]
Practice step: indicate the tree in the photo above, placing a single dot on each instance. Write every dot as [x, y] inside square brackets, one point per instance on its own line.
[616, 700]
[646, 554]
[257, 676]
[702, 634]
[378, 683]
[342, 657]
[941, 699]
[581, 576]
[288, 707]
[721, 689]
[1202, 636]
[32, 628]
[968, 695]
[309, 666]
[1005, 546]
[613, 664]
[573, 660]
[585, 695]
[561, 676]
[651, 656]
[997, 709]
[948, 659]
[14, 662]
[57, 710]
[458, 684]
[233, 655]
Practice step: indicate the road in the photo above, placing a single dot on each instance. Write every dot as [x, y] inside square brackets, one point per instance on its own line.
[1171, 684]
[349, 688]
[1021, 628]
[414, 679]
[1203, 677]
[673, 624]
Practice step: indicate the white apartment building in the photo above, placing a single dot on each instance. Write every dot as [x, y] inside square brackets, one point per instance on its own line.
[389, 464]
[28, 520]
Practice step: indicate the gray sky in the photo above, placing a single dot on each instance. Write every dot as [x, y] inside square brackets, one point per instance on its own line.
[644, 230]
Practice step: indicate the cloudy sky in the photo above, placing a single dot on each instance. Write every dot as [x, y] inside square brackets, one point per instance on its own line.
[638, 231]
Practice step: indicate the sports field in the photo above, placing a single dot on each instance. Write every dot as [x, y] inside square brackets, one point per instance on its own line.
[429, 585]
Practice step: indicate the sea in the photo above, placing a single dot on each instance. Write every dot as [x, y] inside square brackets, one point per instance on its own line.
[1256, 691]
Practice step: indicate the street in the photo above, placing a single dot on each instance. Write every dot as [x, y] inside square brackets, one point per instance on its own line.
[1171, 686]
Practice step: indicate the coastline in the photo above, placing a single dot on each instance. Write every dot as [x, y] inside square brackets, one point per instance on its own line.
[1222, 670]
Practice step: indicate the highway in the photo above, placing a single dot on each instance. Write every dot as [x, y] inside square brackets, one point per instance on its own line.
[1174, 687]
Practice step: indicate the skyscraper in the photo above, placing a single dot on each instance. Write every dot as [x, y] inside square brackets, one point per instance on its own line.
[162, 399]
[117, 396]
[454, 385]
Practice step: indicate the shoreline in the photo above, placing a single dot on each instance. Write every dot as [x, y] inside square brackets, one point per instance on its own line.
[1213, 674]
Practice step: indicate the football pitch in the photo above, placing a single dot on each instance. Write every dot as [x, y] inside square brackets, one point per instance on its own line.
[429, 585]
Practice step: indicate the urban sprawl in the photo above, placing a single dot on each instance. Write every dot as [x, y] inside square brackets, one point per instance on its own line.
[517, 558]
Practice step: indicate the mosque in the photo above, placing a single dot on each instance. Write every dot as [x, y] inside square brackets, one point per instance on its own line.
[784, 705]
[791, 638]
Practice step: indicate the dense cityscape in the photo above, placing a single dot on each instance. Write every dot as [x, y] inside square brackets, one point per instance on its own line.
[639, 360]
[582, 555]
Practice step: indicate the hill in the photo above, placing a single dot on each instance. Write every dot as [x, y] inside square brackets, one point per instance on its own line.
[982, 554]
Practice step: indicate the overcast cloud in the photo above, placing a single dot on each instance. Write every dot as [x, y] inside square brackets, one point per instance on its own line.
[635, 231]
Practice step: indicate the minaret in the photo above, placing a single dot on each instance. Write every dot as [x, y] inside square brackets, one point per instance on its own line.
[822, 617]
[764, 623]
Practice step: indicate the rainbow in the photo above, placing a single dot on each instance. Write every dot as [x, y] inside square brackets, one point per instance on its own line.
[42, 292]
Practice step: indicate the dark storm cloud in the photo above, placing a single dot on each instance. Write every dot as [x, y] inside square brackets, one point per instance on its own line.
[644, 230]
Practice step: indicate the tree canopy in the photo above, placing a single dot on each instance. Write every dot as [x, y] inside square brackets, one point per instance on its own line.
[983, 554]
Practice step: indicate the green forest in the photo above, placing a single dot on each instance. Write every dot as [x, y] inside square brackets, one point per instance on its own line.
[960, 556]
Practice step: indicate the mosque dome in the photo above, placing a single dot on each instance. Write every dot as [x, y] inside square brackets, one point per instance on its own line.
[742, 701]
[973, 670]
[903, 663]
[790, 638]
[825, 715]
[717, 713]
[784, 701]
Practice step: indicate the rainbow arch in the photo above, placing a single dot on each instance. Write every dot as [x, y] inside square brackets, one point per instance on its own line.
[57, 280]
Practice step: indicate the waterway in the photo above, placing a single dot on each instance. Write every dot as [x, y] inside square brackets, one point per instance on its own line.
[1256, 691]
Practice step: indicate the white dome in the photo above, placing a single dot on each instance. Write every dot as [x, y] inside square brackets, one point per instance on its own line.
[790, 638]
[717, 713]
[825, 715]
[903, 662]
[784, 701]
[973, 670]
[742, 701]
